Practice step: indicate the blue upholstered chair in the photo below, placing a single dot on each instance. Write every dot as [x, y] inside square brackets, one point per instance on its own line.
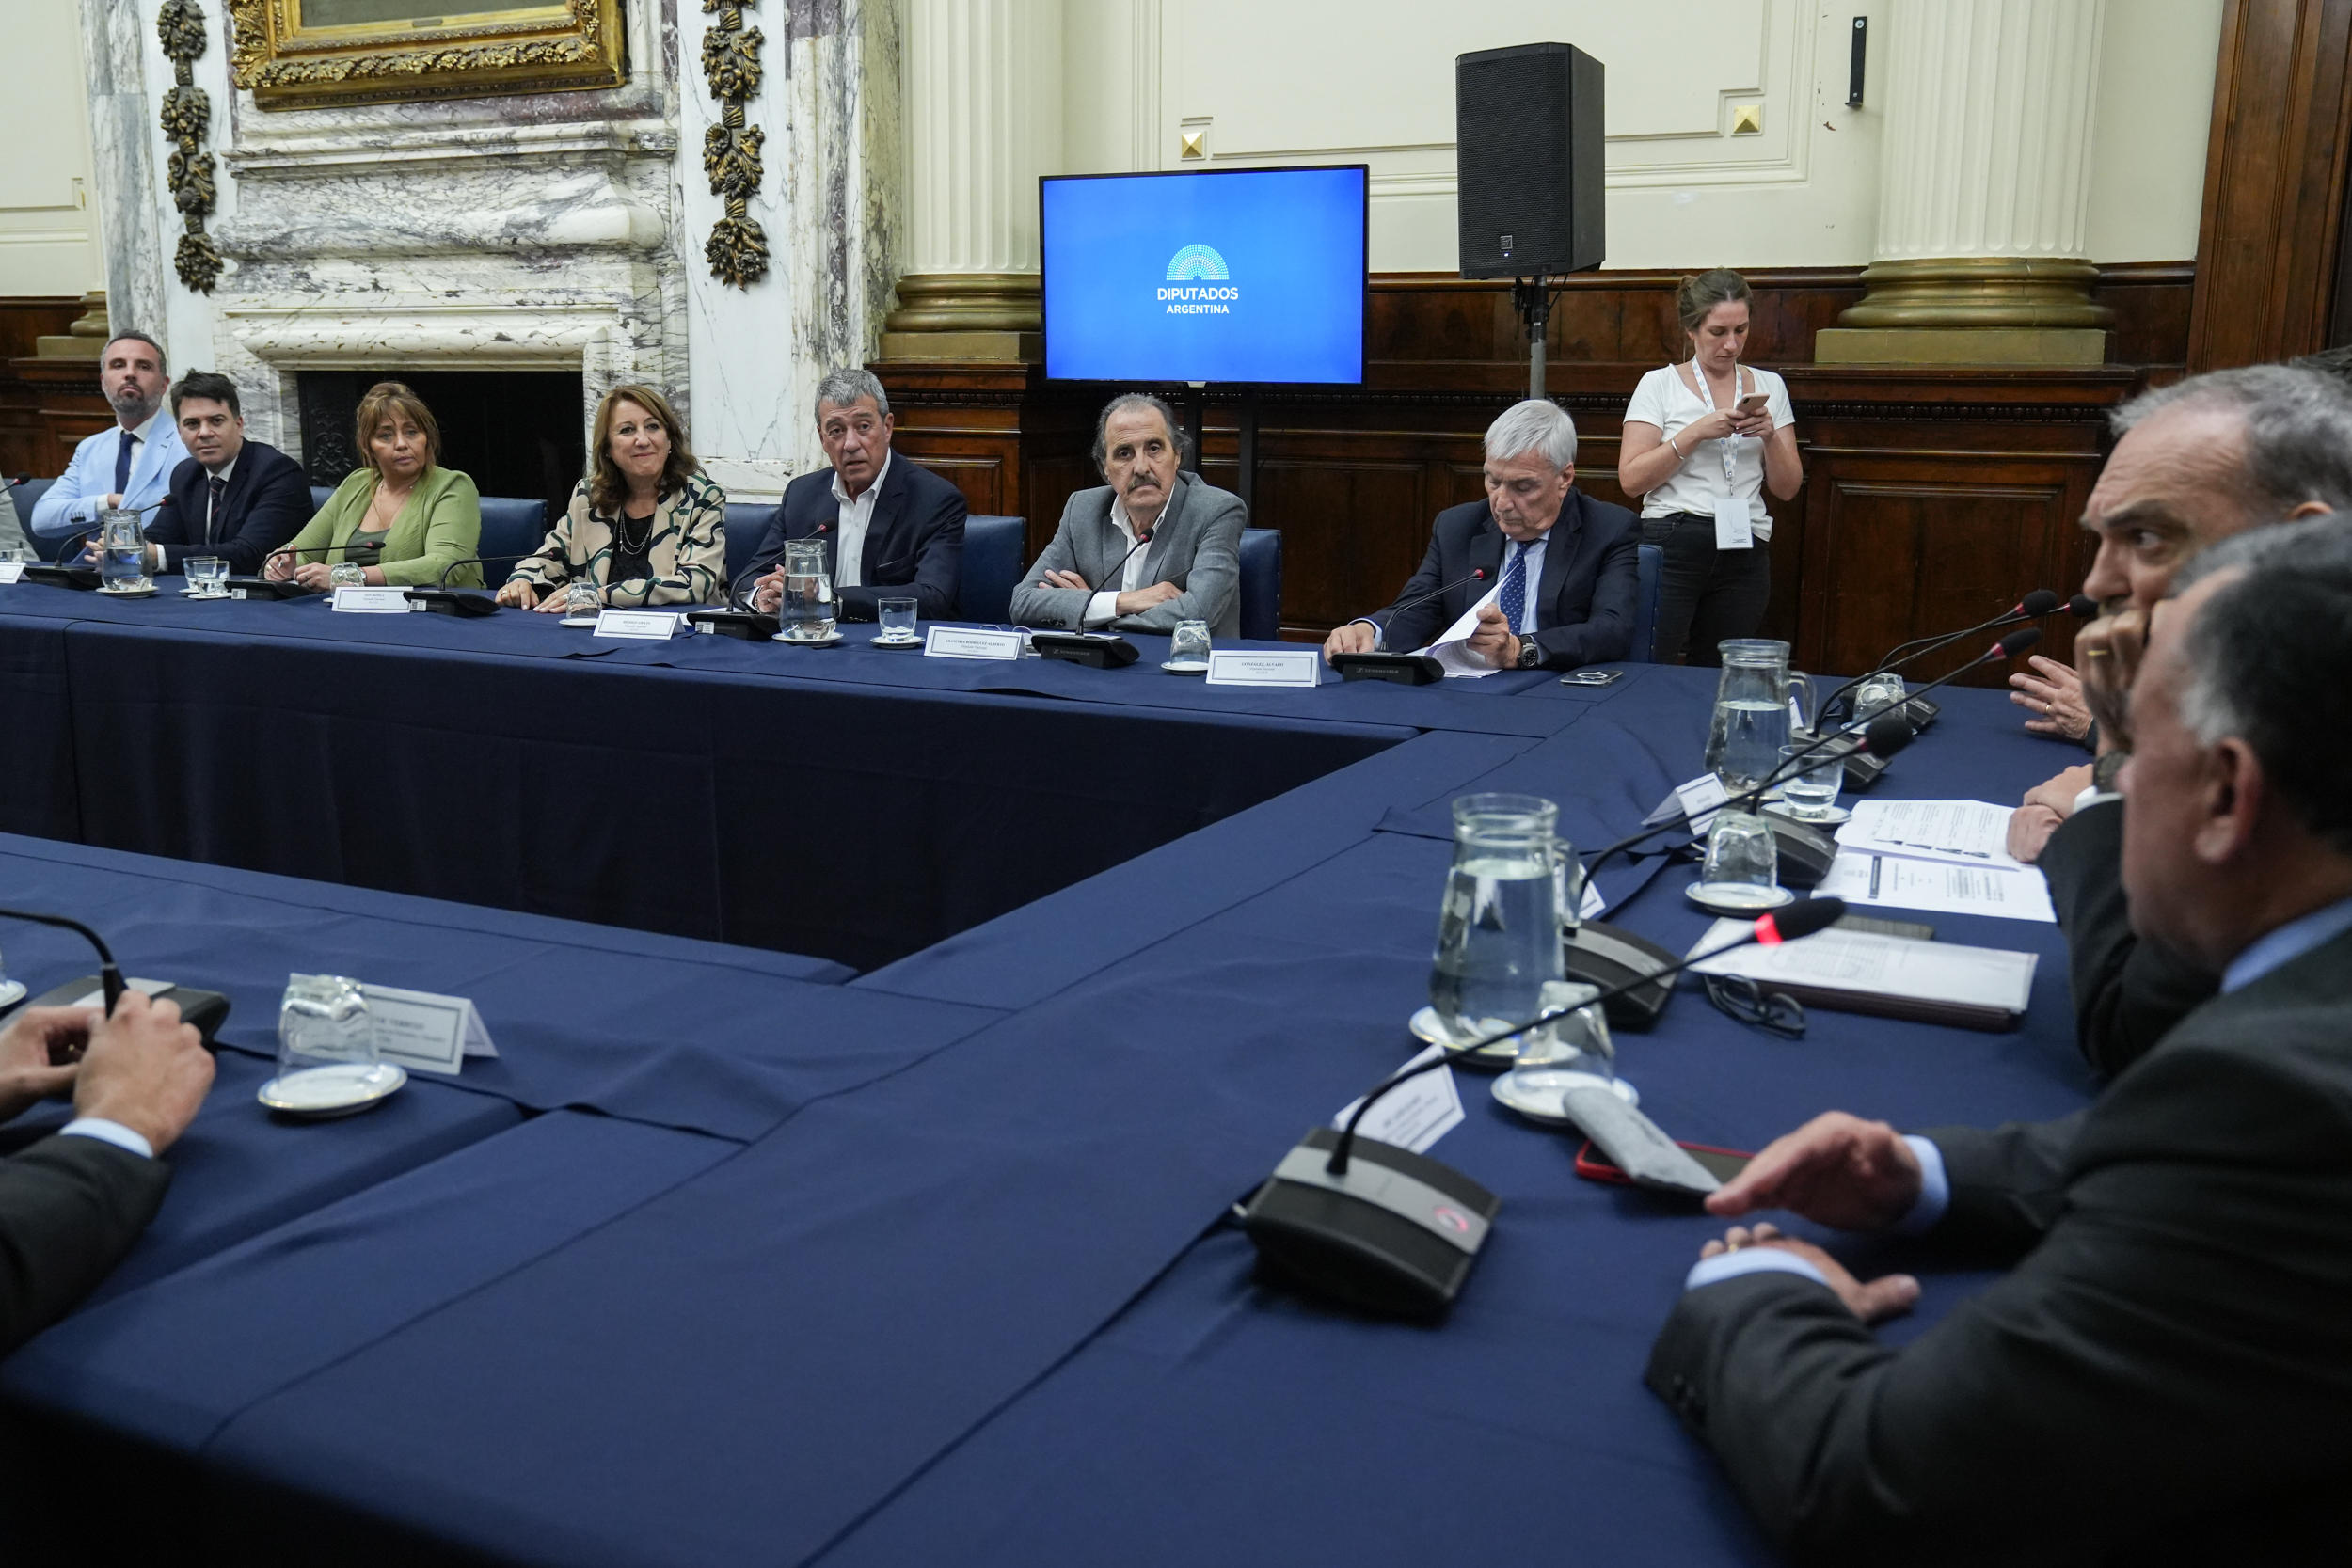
[27, 496]
[1652, 572]
[1262, 584]
[994, 550]
[511, 526]
[747, 525]
[318, 493]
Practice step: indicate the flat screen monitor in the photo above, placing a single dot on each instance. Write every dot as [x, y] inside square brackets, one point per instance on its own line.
[1206, 275]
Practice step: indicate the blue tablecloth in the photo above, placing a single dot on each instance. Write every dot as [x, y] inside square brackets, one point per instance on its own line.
[981, 1307]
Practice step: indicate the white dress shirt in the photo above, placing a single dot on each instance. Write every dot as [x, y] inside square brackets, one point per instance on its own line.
[1535, 570]
[849, 557]
[1103, 608]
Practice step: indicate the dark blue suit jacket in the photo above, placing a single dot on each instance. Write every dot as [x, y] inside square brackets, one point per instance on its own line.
[267, 502]
[915, 540]
[1583, 603]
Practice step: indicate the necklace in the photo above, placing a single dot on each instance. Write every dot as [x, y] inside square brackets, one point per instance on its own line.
[622, 544]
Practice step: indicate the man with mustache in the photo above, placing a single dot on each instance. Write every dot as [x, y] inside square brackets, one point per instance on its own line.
[1153, 545]
[127, 466]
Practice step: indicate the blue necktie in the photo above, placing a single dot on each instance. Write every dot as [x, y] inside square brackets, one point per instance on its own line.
[220, 488]
[122, 465]
[1514, 595]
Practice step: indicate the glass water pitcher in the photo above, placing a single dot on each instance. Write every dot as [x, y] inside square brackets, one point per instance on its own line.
[1499, 928]
[806, 615]
[122, 552]
[1752, 722]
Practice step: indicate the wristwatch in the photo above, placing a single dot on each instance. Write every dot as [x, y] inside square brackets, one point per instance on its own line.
[1530, 654]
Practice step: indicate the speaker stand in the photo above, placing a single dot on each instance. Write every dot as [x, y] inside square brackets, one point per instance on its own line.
[1534, 302]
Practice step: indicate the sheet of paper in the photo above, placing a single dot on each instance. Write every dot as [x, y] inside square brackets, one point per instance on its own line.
[417, 1029]
[1260, 667]
[1450, 649]
[1881, 965]
[1973, 833]
[1415, 1113]
[1873, 881]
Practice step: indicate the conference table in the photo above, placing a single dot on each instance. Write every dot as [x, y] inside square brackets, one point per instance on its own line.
[932, 1262]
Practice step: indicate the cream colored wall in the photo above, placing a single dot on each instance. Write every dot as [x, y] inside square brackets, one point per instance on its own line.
[48, 232]
[1274, 81]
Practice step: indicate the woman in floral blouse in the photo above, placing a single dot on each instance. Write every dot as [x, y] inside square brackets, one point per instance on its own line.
[646, 526]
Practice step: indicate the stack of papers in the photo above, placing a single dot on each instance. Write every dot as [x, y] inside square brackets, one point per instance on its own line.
[1946, 857]
[1860, 972]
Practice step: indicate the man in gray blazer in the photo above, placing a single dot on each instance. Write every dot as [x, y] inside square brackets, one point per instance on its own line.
[1153, 546]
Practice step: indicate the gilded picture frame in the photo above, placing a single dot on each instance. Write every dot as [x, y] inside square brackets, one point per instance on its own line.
[327, 53]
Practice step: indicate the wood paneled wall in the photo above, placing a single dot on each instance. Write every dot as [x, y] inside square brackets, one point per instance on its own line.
[28, 443]
[1933, 498]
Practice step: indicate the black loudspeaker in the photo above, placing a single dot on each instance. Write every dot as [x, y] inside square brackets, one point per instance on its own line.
[1527, 131]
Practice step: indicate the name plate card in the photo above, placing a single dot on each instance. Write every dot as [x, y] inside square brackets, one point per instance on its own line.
[971, 642]
[11, 571]
[1252, 667]
[648, 624]
[1700, 797]
[373, 601]
[420, 1031]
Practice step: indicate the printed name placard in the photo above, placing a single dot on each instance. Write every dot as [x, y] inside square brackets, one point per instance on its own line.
[373, 601]
[420, 1030]
[970, 642]
[1255, 667]
[636, 622]
[11, 571]
[1700, 797]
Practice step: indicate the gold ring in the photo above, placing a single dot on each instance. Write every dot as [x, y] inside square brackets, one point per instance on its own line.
[2095, 653]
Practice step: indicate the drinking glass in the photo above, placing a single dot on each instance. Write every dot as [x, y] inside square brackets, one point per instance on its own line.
[1876, 694]
[1577, 1045]
[9, 989]
[122, 552]
[897, 619]
[327, 1054]
[1751, 722]
[1499, 927]
[1811, 793]
[1743, 869]
[347, 574]
[1189, 645]
[206, 574]
[806, 615]
[582, 597]
[10, 554]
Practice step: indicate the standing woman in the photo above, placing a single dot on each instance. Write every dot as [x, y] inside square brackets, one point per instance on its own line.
[646, 526]
[1703, 440]
[401, 520]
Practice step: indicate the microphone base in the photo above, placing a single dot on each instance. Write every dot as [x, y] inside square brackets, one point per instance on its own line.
[1804, 850]
[264, 587]
[1603, 954]
[1098, 653]
[449, 601]
[60, 577]
[1395, 1237]
[1862, 770]
[1921, 712]
[744, 624]
[1403, 668]
[207, 1009]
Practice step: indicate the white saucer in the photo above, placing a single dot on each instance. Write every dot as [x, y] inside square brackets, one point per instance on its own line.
[1827, 819]
[578, 621]
[322, 1093]
[808, 641]
[1541, 1100]
[1429, 1031]
[1696, 893]
[199, 594]
[147, 592]
[12, 991]
[888, 642]
[1186, 666]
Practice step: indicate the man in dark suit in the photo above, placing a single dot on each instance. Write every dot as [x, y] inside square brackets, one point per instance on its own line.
[73, 1203]
[890, 528]
[2166, 1372]
[1555, 571]
[231, 497]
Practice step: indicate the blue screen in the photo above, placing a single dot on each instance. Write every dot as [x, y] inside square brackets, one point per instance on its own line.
[1255, 276]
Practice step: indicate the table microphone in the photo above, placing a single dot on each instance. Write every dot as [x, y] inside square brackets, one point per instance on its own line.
[1405, 669]
[263, 587]
[66, 572]
[2033, 607]
[1396, 1233]
[444, 600]
[1142, 538]
[207, 1011]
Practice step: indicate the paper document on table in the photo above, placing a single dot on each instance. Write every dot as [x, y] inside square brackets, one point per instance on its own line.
[1893, 977]
[1451, 654]
[1869, 881]
[1414, 1115]
[1974, 832]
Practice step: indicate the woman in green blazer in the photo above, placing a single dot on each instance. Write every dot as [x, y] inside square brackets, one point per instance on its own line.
[399, 520]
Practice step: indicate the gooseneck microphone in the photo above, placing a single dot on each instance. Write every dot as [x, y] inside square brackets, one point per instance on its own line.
[1477, 574]
[2033, 607]
[109, 975]
[1403, 668]
[1801, 919]
[1143, 537]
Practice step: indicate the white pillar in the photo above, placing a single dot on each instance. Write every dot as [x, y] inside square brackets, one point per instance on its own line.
[983, 100]
[1984, 189]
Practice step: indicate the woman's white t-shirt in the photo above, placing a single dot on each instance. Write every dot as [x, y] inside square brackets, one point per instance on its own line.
[1666, 400]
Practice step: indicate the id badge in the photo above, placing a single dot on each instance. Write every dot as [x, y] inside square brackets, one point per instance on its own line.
[1733, 531]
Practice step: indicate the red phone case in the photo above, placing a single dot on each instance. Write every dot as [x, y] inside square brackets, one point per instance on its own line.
[1593, 1166]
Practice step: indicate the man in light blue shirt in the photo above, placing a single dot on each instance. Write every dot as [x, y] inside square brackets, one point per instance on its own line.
[128, 465]
[2164, 1373]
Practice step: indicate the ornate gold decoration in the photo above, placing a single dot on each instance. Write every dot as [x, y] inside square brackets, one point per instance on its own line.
[557, 45]
[187, 114]
[738, 251]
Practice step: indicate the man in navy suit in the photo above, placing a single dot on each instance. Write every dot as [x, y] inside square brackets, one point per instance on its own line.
[231, 497]
[888, 527]
[1550, 570]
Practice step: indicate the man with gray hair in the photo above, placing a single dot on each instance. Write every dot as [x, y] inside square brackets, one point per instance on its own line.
[1552, 572]
[888, 526]
[1154, 545]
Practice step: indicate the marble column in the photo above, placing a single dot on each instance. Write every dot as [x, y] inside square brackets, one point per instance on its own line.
[121, 125]
[1984, 187]
[983, 120]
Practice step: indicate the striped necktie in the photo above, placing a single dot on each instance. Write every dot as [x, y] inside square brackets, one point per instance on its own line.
[1514, 595]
